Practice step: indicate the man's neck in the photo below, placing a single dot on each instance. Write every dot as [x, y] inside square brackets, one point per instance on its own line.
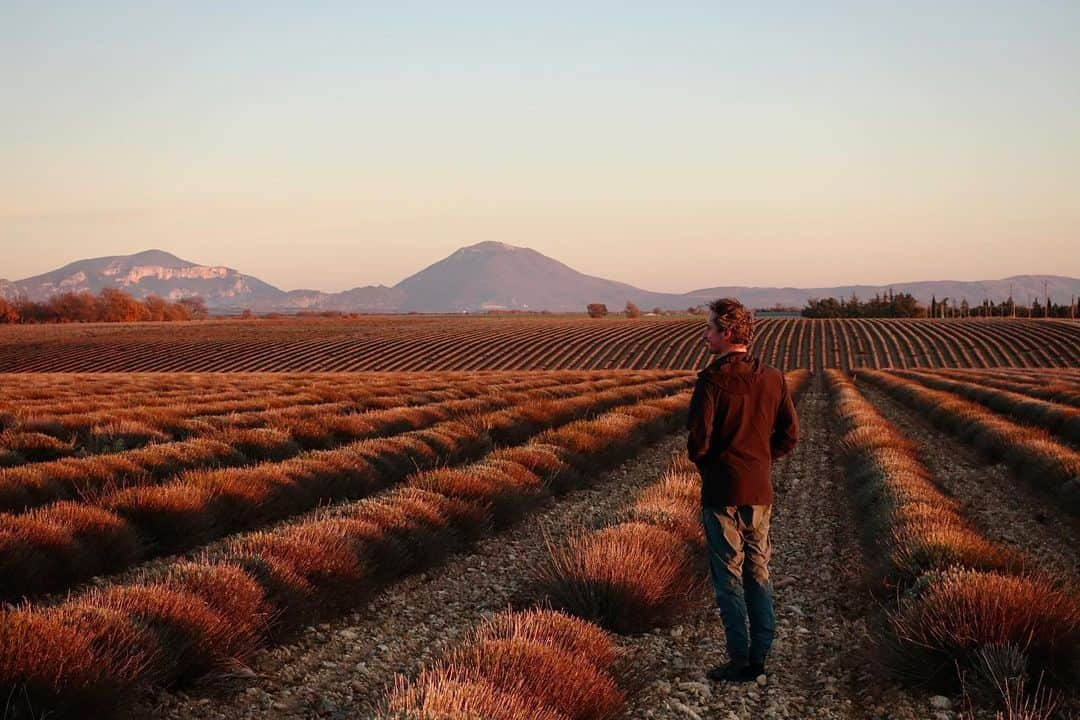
[732, 350]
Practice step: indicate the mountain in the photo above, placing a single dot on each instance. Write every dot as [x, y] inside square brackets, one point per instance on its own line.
[371, 298]
[485, 276]
[497, 276]
[153, 272]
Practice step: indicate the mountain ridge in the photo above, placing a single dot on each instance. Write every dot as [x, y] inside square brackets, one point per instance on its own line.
[484, 276]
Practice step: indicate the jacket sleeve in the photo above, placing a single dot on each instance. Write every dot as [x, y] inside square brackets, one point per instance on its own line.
[699, 422]
[786, 427]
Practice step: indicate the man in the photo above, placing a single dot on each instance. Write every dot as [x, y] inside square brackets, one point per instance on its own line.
[741, 418]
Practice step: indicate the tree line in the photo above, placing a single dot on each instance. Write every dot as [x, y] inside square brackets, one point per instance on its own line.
[631, 310]
[904, 305]
[109, 305]
[945, 308]
[900, 305]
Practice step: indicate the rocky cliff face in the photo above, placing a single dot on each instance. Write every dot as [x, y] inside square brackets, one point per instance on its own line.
[148, 273]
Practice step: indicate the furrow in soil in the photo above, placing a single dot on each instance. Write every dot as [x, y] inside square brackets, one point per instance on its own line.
[1001, 506]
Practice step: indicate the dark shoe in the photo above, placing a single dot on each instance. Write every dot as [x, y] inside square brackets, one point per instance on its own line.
[732, 672]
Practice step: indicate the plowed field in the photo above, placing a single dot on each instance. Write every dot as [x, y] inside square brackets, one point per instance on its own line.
[228, 544]
[527, 343]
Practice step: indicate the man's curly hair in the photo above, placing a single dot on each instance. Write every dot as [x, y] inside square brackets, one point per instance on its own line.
[732, 315]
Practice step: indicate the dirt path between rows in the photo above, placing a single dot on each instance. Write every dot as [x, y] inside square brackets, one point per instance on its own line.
[999, 505]
[822, 664]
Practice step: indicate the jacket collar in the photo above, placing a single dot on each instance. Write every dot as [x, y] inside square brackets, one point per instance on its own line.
[728, 358]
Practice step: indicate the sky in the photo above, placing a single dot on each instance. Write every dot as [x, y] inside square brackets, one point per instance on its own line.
[673, 145]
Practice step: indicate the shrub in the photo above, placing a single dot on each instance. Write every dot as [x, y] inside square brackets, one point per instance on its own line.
[596, 443]
[442, 696]
[797, 381]
[261, 444]
[9, 314]
[952, 616]
[532, 665]
[230, 591]
[35, 555]
[919, 547]
[120, 435]
[556, 629]
[550, 677]
[627, 578]
[193, 637]
[673, 503]
[290, 595]
[244, 497]
[506, 495]
[173, 516]
[104, 541]
[125, 649]
[419, 539]
[321, 554]
[467, 520]
[35, 446]
[49, 663]
[544, 460]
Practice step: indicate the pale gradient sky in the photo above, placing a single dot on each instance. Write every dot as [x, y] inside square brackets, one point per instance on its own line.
[670, 145]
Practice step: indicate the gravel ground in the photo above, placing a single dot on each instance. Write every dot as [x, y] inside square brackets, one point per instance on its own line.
[1001, 506]
[822, 665]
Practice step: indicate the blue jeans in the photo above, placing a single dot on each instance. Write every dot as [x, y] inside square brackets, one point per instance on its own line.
[739, 551]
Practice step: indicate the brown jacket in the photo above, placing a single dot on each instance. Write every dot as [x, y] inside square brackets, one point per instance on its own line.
[741, 418]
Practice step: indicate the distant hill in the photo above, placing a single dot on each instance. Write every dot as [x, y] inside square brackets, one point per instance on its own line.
[153, 272]
[493, 275]
[485, 276]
